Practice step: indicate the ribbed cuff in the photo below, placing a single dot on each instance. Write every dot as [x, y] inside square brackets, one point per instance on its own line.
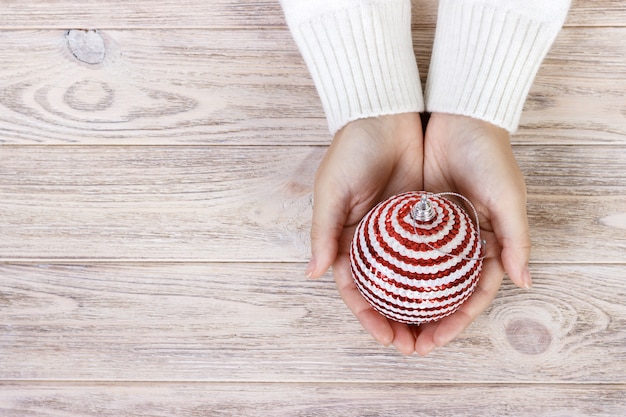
[485, 58]
[362, 61]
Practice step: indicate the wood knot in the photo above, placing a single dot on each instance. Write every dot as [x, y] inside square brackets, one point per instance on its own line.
[528, 336]
[617, 221]
[86, 45]
[89, 95]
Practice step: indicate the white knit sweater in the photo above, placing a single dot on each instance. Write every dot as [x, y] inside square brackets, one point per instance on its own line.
[485, 56]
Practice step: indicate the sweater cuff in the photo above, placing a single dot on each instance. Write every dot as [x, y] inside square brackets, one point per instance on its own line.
[362, 61]
[485, 58]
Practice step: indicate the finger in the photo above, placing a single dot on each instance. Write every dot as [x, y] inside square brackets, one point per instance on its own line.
[425, 340]
[450, 327]
[375, 324]
[510, 225]
[329, 215]
[403, 338]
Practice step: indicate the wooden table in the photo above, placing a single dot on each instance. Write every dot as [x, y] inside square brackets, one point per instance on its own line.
[156, 166]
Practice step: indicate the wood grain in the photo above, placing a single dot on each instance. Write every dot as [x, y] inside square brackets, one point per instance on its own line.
[251, 87]
[254, 203]
[266, 323]
[174, 14]
[161, 202]
[158, 87]
[288, 400]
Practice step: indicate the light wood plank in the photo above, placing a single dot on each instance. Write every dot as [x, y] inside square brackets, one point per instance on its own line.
[266, 323]
[223, 203]
[573, 170]
[254, 203]
[226, 14]
[288, 400]
[142, 14]
[251, 87]
[158, 87]
[595, 64]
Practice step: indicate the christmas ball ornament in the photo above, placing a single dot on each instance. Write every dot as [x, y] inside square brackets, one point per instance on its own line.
[416, 257]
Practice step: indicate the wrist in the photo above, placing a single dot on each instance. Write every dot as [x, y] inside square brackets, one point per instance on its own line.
[466, 132]
[391, 127]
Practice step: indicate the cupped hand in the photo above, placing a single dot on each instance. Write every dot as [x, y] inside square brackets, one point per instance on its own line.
[474, 158]
[368, 161]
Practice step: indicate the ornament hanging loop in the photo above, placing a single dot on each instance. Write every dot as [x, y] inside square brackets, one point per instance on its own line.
[423, 211]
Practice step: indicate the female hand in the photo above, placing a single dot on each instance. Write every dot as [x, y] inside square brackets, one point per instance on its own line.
[474, 158]
[368, 161]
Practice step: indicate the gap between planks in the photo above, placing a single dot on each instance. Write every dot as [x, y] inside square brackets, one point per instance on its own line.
[196, 261]
[312, 383]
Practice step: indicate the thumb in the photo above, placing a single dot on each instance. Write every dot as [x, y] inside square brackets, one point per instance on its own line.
[510, 223]
[329, 216]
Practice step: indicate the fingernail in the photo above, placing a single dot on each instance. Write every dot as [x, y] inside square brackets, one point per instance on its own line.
[310, 268]
[528, 283]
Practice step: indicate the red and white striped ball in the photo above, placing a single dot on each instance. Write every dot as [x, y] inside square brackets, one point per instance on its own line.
[403, 277]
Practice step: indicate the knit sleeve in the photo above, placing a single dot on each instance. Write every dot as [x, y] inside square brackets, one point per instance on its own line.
[486, 54]
[360, 56]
